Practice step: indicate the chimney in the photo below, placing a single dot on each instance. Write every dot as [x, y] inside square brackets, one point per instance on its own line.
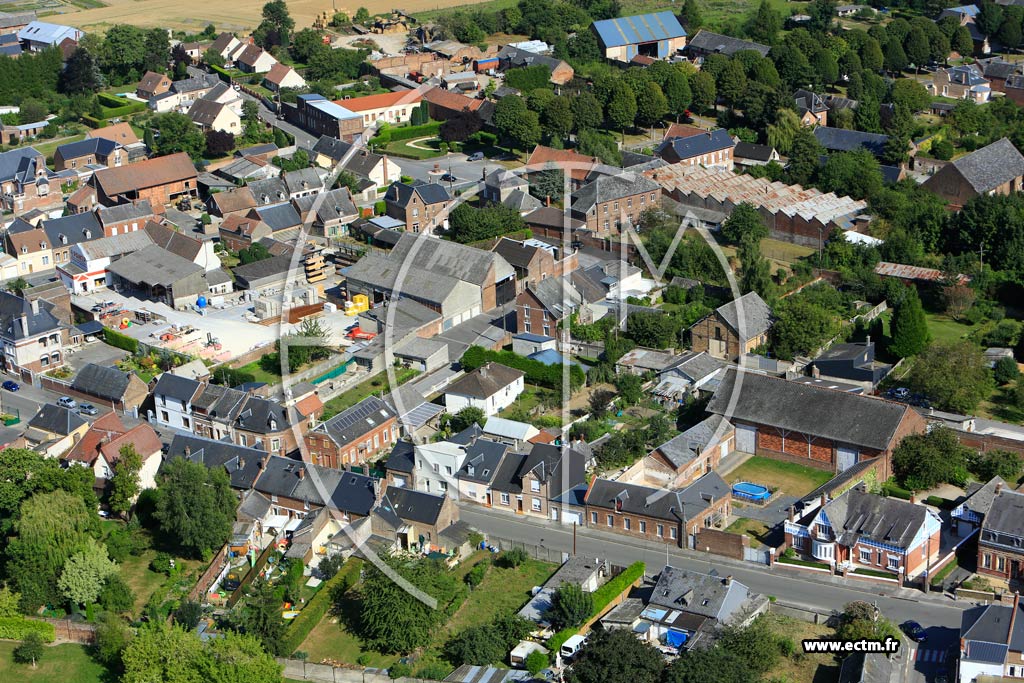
[824, 499]
[710, 134]
[792, 513]
[188, 451]
[265, 461]
[376, 489]
[302, 473]
[241, 463]
[728, 580]
[24, 325]
[913, 498]
[35, 306]
[999, 487]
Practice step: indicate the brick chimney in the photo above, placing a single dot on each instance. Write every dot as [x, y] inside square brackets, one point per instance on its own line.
[302, 473]
[824, 499]
[999, 487]
[1013, 616]
[792, 513]
[241, 463]
[728, 580]
[913, 498]
[24, 324]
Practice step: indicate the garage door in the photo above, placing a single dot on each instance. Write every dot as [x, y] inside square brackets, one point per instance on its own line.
[746, 438]
[846, 457]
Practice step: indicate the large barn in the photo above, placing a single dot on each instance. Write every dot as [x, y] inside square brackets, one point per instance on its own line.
[658, 35]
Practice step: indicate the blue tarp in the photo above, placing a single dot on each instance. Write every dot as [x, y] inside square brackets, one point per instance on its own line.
[675, 638]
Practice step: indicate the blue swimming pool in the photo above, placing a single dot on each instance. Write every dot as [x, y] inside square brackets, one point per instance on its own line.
[755, 492]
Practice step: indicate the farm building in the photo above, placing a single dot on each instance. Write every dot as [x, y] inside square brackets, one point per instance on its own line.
[658, 35]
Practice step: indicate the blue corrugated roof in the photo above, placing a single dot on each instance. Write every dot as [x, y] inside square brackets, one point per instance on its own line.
[642, 28]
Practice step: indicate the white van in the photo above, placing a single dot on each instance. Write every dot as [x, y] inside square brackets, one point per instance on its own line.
[571, 646]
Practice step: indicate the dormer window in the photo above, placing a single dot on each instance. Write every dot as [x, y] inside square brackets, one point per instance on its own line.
[63, 239]
[24, 249]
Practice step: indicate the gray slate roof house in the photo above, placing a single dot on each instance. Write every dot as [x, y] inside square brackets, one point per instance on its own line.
[659, 503]
[989, 632]
[754, 152]
[485, 381]
[842, 140]
[857, 514]
[808, 101]
[706, 43]
[510, 57]
[242, 464]
[873, 667]
[73, 229]
[757, 316]
[269, 272]
[451, 259]
[56, 420]
[557, 295]
[268, 191]
[1004, 523]
[412, 505]
[279, 216]
[988, 168]
[350, 424]
[682, 449]
[708, 595]
[102, 381]
[179, 388]
[402, 457]
[348, 492]
[609, 188]
[13, 309]
[675, 150]
[843, 417]
[399, 194]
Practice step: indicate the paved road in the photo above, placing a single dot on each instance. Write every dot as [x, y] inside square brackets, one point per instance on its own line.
[789, 587]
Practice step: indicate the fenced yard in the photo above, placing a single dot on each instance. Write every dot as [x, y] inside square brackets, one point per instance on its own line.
[785, 478]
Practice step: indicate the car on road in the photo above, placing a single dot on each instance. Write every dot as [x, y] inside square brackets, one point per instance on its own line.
[87, 409]
[449, 178]
[475, 156]
[914, 631]
[11, 385]
[67, 402]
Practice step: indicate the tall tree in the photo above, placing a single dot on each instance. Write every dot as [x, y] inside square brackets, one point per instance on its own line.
[85, 572]
[170, 653]
[691, 16]
[651, 104]
[261, 617]
[195, 506]
[765, 24]
[570, 606]
[177, 134]
[910, 335]
[803, 157]
[622, 106]
[124, 485]
[702, 86]
[953, 375]
[822, 13]
[917, 48]
[586, 111]
[81, 74]
[519, 125]
[745, 220]
[677, 93]
[895, 57]
[616, 655]
[756, 275]
[989, 17]
[556, 119]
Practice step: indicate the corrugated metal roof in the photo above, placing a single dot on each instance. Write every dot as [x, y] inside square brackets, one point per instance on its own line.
[642, 28]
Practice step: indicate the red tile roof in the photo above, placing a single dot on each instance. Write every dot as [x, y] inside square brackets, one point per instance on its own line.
[388, 99]
[150, 173]
[542, 155]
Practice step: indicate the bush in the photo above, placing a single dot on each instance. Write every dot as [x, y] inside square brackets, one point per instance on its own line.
[476, 575]
[604, 595]
[536, 372]
[513, 557]
[1006, 370]
[120, 341]
[30, 650]
[230, 377]
[411, 132]
[399, 670]
[535, 662]
[317, 607]
[17, 628]
[379, 208]
[161, 564]
[93, 122]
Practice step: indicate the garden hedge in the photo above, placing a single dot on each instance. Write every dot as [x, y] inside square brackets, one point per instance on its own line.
[120, 341]
[536, 372]
[93, 122]
[601, 598]
[16, 628]
[408, 132]
[317, 607]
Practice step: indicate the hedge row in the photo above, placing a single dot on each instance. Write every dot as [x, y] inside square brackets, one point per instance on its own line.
[93, 122]
[317, 607]
[108, 100]
[120, 341]
[126, 110]
[16, 628]
[536, 372]
[601, 598]
[224, 75]
[230, 377]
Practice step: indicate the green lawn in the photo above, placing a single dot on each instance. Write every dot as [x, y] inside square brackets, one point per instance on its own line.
[373, 385]
[402, 148]
[66, 663]
[757, 530]
[260, 374]
[944, 328]
[792, 479]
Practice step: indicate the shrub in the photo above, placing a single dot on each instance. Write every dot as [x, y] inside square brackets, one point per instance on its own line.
[535, 662]
[380, 207]
[476, 575]
[513, 557]
[17, 628]
[1006, 370]
[536, 372]
[120, 341]
[161, 564]
[399, 670]
[412, 132]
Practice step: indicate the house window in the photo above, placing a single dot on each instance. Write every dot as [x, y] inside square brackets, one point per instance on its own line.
[504, 498]
[376, 443]
[185, 423]
[1000, 563]
[444, 486]
[627, 523]
[611, 520]
[892, 562]
[436, 469]
[821, 529]
[865, 556]
[275, 445]
[46, 260]
[672, 532]
[643, 526]
[536, 504]
[986, 561]
[164, 417]
[534, 485]
[242, 440]
[660, 530]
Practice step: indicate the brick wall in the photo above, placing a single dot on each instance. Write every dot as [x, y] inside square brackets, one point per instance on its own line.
[723, 543]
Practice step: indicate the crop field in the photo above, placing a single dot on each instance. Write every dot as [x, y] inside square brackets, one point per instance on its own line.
[196, 14]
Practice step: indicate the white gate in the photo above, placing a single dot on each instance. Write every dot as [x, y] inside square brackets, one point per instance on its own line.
[746, 438]
[846, 457]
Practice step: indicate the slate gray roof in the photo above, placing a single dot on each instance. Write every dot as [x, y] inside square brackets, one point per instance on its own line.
[205, 112]
[402, 457]
[485, 381]
[514, 58]
[849, 418]
[303, 180]
[14, 163]
[279, 216]
[346, 491]
[756, 315]
[333, 148]
[863, 667]
[696, 366]
[124, 212]
[268, 191]
[73, 229]
[611, 187]
[807, 100]
[257, 270]
[100, 146]
[220, 402]
[263, 416]
[333, 205]
[454, 260]
[708, 595]
[173, 241]
[241, 463]
[56, 420]
[1005, 518]
[549, 292]
[411, 505]
[13, 308]
[706, 41]
[749, 150]
[980, 496]
[102, 381]
[482, 459]
[986, 632]
[991, 166]
[858, 514]
[384, 272]
[353, 423]
[696, 145]
[431, 193]
[176, 387]
[842, 140]
[663, 504]
[154, 265]
[187, 85]
[516, 253]
[683, 448]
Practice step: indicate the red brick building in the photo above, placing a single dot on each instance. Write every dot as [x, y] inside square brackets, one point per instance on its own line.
[823, 428]
[160, 181]
[994, 169]
[1001, 543]
[354, 436]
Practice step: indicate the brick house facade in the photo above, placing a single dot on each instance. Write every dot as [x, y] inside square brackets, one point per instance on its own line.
[1001, 543]
[353, 436]
[719, 333]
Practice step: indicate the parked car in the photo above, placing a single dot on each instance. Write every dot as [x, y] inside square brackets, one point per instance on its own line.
[898, 393]
[914, 631]
[571, 646]
[67, 402]
[449, 178]
[11, 385]
[87, 409]
[475, 156]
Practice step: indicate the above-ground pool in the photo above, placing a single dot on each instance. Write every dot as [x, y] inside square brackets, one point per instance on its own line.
[755, 492]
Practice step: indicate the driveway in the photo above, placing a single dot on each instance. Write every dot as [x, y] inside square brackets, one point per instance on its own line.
[95, 352]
